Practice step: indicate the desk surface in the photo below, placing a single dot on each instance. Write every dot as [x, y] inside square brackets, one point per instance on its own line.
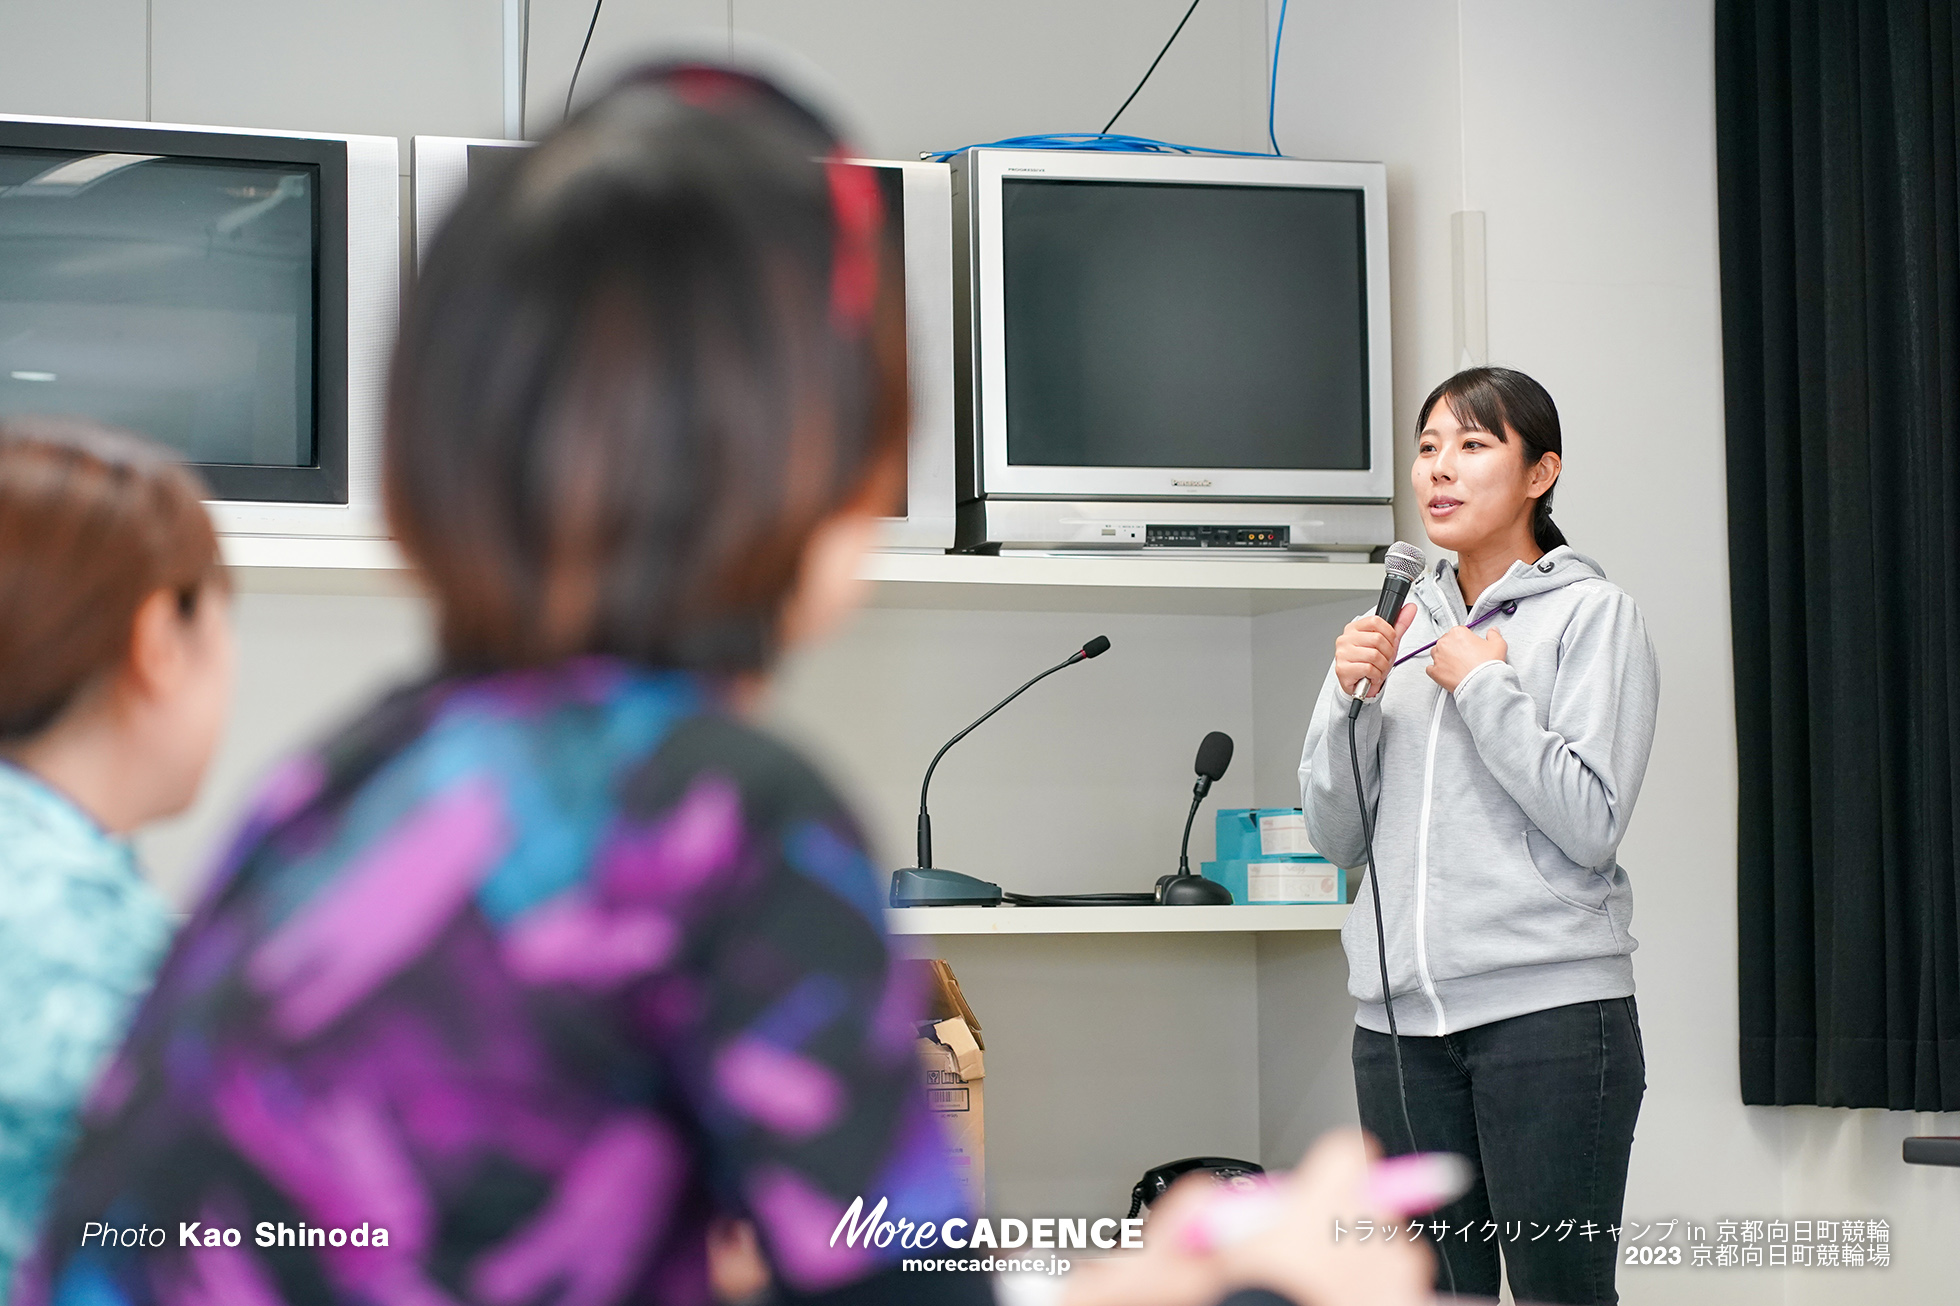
[1112, 920]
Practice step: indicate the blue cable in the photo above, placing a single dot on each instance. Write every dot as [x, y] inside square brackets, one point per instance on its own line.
[1117, 143]
[1272, 83]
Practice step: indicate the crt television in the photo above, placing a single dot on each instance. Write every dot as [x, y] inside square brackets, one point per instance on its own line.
[230, 293]
[919, 197]
[1169, 352]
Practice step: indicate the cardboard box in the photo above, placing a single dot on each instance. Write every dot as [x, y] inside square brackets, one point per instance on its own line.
[952, 1050]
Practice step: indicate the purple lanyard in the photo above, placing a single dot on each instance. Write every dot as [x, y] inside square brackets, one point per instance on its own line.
[1508, 607]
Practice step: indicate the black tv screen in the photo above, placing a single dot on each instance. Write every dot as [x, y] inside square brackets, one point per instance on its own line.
[1184, 326]
[169, 296]
[186, 286]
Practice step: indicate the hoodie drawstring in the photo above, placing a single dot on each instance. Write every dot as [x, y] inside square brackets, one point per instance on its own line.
[1507, 607]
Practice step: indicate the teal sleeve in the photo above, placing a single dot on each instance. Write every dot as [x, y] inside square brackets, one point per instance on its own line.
[80, 938]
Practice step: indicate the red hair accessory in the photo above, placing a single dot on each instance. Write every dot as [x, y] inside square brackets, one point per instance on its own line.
[705, 86]
[859, 212]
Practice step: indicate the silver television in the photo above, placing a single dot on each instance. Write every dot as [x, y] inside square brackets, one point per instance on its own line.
[438, 174]
[1183, 354]
[920, 197]
[232, 293]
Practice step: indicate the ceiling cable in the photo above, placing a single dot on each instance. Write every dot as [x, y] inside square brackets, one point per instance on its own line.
[1153, 65]
[590, 27]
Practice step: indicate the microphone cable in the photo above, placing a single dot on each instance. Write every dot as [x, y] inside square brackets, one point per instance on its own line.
[1081, 899]
[1381, 957]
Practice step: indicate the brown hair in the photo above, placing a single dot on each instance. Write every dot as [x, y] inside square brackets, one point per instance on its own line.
[92, 522]
[1492, 399]
[644, 362]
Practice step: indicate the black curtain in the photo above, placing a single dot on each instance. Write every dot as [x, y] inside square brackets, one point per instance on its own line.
[1836, 130]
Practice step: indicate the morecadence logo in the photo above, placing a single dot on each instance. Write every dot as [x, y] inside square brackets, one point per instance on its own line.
[859, 1228]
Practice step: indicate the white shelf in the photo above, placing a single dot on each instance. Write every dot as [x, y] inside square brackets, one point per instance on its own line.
[285, 564]
[1207, 586]
[1112, 920]
[1203, 586]
[353, 553]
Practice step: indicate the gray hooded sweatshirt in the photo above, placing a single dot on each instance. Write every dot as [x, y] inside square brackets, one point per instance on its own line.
[1498, 808]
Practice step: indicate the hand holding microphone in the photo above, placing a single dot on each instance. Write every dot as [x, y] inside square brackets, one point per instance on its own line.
[1365, 652]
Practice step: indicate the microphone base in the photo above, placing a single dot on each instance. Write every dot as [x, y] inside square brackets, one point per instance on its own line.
[932, 886]
[1192, 891]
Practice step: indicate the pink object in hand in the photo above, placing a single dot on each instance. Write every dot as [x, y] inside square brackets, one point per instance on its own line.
[1422, 1181]
[1397, 1187]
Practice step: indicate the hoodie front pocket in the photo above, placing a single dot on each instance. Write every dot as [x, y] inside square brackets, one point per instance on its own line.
[1572, 884]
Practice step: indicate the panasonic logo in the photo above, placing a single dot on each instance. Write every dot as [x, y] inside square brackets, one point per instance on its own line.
[1194, 485]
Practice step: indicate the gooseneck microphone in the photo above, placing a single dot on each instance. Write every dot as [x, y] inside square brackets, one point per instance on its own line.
[1095, 648]
[925, 885]
[1185, 889]
[1214, 755]
[1403, 564]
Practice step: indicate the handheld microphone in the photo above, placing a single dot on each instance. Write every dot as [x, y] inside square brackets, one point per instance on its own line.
[925, 885]
[1404, 563]
[1185, 889]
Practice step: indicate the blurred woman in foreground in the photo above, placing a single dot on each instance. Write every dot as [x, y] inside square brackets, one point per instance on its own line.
[539, 968]
[115, 673]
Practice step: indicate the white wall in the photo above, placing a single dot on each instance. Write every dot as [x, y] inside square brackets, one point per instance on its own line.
[1109, 1054]
[1081, 786]
[75, 57]
[922, 74]
[936, 74]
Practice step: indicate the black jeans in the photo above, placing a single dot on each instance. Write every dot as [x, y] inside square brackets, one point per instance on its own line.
[1544, 1106]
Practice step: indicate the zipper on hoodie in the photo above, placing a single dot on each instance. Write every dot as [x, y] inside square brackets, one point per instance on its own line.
[1428, 796]
[1422, 865]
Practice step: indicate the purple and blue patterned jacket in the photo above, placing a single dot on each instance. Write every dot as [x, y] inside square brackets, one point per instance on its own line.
[535, 972]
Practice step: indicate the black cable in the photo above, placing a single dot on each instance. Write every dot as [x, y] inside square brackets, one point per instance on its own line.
[1081, 899]
[590, 28]
[524, 71]
[1381, 956]
[1153, 65]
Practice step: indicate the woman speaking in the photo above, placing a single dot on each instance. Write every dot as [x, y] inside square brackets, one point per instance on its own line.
[1495, 787]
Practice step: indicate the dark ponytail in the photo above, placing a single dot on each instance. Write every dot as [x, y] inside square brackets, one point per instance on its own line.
[1499, 400]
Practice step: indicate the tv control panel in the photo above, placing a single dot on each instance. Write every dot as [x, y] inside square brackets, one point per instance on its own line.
[1217, 537]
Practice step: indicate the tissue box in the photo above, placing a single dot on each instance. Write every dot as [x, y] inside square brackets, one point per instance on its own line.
[1262, 833]
[1264, 857]
[1280, 879]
